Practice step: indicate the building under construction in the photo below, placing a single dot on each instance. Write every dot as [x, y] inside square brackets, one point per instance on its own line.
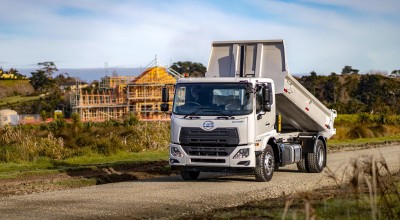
[119, 96]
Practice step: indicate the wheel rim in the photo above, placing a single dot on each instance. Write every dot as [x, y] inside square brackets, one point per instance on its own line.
[269, 163]
[320, 157]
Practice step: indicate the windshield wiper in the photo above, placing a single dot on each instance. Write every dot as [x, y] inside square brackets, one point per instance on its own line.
[226, 116]
[209, 109]
[196, 111]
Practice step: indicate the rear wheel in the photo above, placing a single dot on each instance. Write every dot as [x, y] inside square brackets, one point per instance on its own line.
[316, 160]
[301, 165]
[189, 175]
[265, 165]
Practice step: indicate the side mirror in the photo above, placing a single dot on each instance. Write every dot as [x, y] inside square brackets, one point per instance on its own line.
[165, 94]
[266, 95]
[164, 107]
[267, 107]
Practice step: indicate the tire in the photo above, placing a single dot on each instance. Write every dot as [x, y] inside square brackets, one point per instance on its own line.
[265, 165]
[316, 161]
[302, 164]
[189, 175]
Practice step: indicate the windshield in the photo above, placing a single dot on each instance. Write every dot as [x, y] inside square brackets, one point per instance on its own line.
[213, 99]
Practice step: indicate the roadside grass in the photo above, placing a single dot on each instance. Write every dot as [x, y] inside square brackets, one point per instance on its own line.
[17, 99]
[346, 119]
[45, 166]
[60, 147]
[340, 207]
[369, 191]
[59, 140]
[363, 141]
[119, 157]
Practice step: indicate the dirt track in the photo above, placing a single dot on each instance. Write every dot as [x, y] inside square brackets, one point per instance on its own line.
[170, 196]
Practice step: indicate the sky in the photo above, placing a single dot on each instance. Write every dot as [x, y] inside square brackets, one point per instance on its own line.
[320, 35]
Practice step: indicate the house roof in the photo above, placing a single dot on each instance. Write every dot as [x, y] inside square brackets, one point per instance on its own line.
[155, 75]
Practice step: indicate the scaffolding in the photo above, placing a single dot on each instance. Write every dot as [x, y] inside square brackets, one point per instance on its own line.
[109, 82]
[119, 96]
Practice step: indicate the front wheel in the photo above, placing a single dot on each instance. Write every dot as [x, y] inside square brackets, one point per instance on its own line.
[316, 160]
[189, 175]
[265, 165]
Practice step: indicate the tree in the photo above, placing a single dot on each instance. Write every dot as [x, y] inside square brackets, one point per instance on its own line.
[395, 73]
[310, 82]
[42, 79]
[331, 87]
[193, 69]
[48, 67]
[349, 70]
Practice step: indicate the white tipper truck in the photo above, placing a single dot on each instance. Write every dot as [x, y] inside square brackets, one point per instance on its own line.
[247, 114]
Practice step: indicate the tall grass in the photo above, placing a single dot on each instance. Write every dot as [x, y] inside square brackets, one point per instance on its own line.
[366, 125]
[59, 140]
[371, 181]
[366, 190]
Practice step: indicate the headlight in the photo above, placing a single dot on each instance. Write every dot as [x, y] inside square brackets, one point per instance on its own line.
[175, 152]
[242, 153]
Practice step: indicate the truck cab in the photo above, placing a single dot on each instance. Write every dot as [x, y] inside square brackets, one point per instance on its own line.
[247, 114]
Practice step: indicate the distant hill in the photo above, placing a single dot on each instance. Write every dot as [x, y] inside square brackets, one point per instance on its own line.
[90, 74]
[15, 87]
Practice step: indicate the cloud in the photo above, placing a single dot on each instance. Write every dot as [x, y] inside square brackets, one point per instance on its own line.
[383, 6]
[320, 35]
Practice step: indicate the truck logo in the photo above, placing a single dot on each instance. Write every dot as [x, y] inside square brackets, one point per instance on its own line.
[208, 125]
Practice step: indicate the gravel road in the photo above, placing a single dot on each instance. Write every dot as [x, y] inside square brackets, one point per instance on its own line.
[170, 196]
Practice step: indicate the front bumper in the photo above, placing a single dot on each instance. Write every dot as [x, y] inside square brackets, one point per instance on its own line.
[210, 158]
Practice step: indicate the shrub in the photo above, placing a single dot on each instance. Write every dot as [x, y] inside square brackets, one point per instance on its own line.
[130, 120]
[379, 130]
[360, 132]
[85, 140]
[105, 147]
[364, 118]
[58, 140]
[52, 147]
[43, 115]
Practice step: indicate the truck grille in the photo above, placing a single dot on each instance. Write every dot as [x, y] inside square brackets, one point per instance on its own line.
[208, 151]
[196, 160]
[215, 138]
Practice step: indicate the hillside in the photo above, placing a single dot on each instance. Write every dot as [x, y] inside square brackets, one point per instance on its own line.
[15, 87]
[355, 93]
[347, 93]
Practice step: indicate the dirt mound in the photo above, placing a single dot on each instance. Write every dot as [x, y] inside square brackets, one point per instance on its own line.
[86, 176]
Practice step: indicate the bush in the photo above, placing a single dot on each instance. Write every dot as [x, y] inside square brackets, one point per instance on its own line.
[58, 140]
[130, 120]
[364, 118]
[360, 132]
[52, 147]
[106, 147]
[86, 140]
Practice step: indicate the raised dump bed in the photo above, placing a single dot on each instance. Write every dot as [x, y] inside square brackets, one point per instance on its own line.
[300, 110]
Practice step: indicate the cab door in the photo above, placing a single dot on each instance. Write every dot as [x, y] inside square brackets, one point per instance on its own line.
[265, 119]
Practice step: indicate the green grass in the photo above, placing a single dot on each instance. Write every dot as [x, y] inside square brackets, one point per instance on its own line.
[47, 166]
[362, 141]
[16, 99]
[9, 82]
[119, 157]
[334, 208]
[346, 119]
